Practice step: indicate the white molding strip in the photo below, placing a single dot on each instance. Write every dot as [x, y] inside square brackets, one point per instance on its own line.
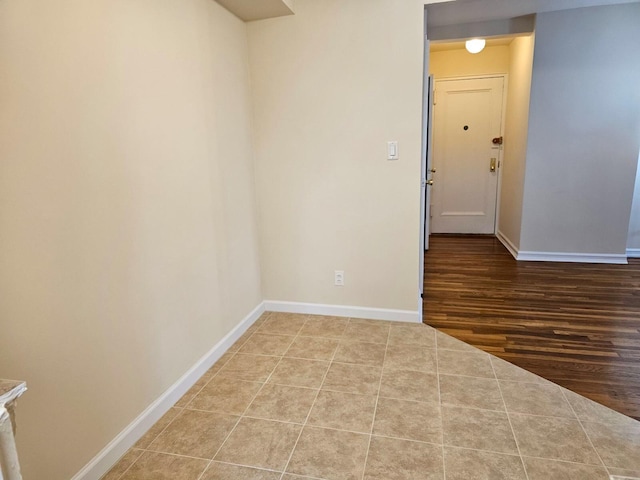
[573, 257]
[343, 311]
[508, 244]
[110, 454]
[564, 257]
[633, 252]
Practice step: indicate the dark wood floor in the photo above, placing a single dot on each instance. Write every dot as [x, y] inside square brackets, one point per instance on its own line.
[577, 325]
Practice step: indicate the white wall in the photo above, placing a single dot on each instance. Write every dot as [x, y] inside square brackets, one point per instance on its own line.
[459, 62]
[515, 138]
[332, 85]
[633, 242]
[126, 210]
[584, 131]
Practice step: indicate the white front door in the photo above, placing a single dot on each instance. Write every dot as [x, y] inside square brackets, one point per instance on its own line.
[467, 118]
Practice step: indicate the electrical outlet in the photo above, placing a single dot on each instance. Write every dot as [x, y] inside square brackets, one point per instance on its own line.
[339, 278]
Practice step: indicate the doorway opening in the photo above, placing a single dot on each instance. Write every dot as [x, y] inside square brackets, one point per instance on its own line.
[476, 112]
[471, 123]
[538, 315]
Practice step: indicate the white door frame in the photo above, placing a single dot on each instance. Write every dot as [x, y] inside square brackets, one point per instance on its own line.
[505, 89]
[423, 168]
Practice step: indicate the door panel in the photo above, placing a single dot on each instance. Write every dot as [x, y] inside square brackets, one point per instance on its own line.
[467, 116]
[428, 169]
[427, 88]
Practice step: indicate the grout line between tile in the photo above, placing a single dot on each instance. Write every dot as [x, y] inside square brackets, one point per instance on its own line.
[390, 437]
[293, 386]
[375, 408]
[217, 412]
[563, 461]
[181, 409]
[453, 405]
[178, 455]
[247, 466]
[166, 426]
[304, 476]
[275, 356]
[306, 420]
[496, 452]
[513, 412]
[324, 427]
[523, 456]
[584, 430]
[446, 374]
[268, 354]
[476, 351]
[251, 330]
[444, 467]
[556, 417]
[547, 384]
[372, 365]
[199, 391]
[253, 417]
[225, 441]
[129, 467]
[244, 413]
[513, 432]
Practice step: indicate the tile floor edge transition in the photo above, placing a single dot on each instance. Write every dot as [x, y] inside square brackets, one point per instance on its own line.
[407, 334]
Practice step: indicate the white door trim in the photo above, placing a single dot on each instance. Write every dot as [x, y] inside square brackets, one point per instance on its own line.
[505, 96]
[505, 90]
[423, 170]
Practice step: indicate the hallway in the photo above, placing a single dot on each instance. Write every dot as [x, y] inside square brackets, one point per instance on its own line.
[577, 325]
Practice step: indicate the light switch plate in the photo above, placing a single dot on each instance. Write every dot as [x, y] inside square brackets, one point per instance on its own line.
[392, 150]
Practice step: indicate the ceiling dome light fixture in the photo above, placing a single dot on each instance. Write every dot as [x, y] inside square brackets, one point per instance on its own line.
[475, 45]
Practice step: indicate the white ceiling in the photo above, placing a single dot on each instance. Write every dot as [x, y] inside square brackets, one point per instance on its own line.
[469, 11]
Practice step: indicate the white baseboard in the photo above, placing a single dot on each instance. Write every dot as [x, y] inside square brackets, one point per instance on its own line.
[110, 454]
[572, 257]
[563, 257]
[633, 252]
[508, 244]
[343, 311]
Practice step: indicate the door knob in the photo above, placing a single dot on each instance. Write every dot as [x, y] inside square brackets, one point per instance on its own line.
[429, 182]
[492, 165]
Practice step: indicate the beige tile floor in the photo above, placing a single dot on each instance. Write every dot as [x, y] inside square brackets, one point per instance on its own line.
[308, 397]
